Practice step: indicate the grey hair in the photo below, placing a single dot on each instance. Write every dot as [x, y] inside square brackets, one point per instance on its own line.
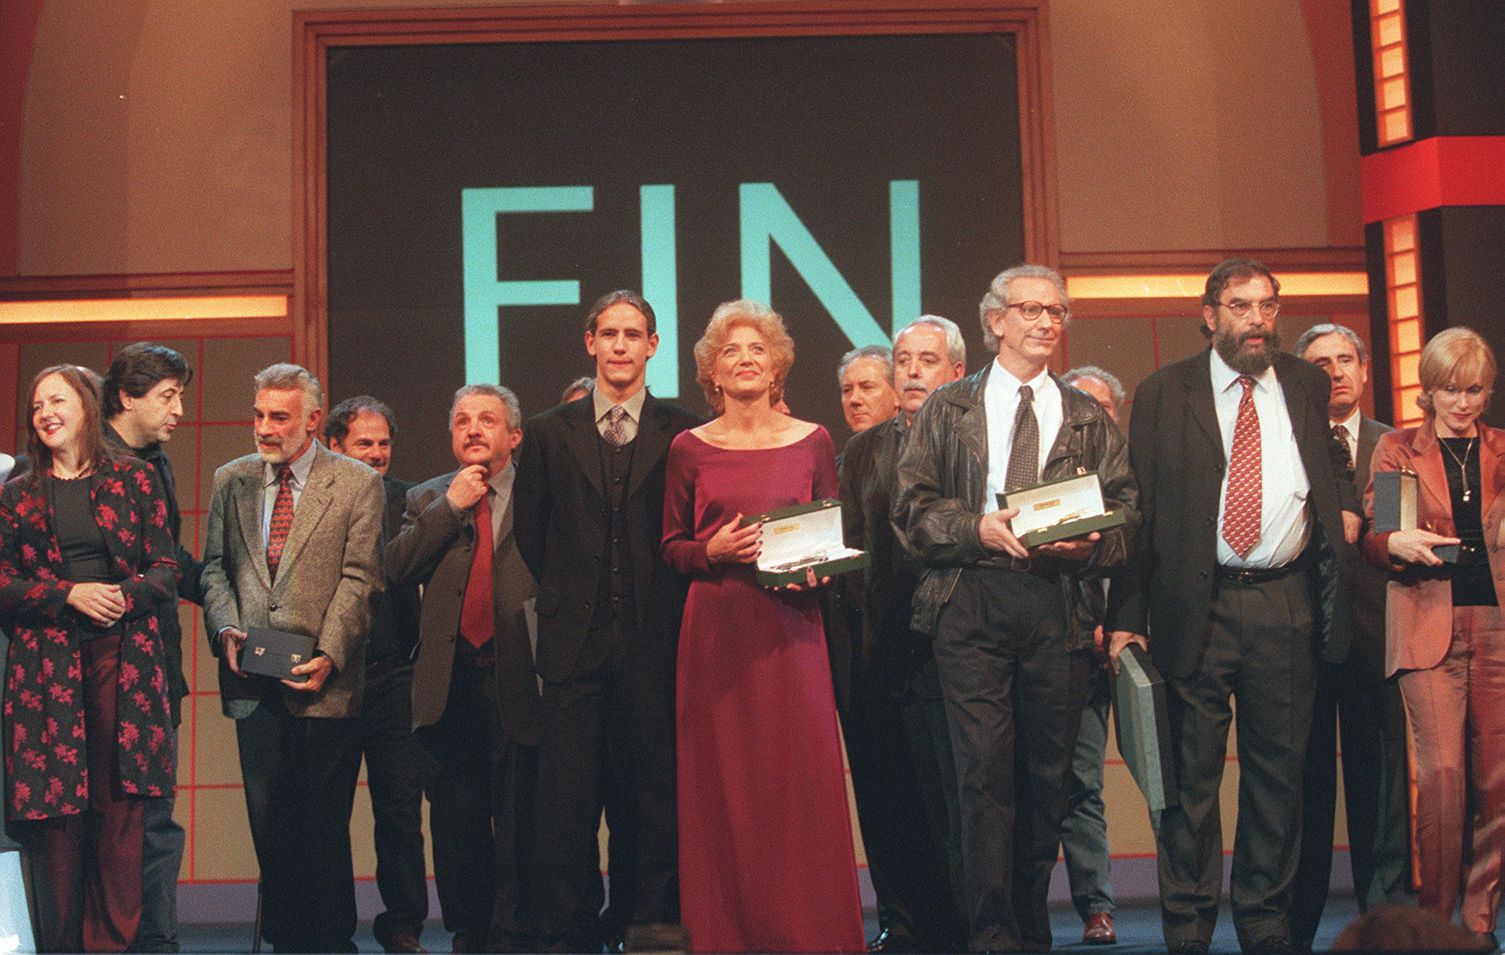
[504, 395]
[1331, 328]
[956, 346]
[880, 353]
[586, 384]
[285, 376]
[1115, 387]
[997, 297]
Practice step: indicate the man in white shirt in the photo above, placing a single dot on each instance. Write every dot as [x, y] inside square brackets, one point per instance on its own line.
[1012, 662]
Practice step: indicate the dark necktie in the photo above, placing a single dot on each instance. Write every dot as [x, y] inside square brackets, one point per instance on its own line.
[1340, 435]
[1242, 509]
[1024, 455]
[282, 519]
[616, 431]
[476, 620]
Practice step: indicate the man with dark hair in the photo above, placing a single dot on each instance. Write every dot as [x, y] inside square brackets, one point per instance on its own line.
[1011, 657]
[142, 401]
[903, 776]
[590, 492]
[1354, 700]
[294, 545]
[363, 428]
[475, 696]
[1239, 582]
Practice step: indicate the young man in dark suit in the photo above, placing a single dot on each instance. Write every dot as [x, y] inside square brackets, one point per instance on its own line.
[475, 696]
[1239, 579]
[590, 497]
[1351, 693]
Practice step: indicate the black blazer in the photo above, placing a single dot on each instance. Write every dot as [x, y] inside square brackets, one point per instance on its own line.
[1367, 655]
[434, 549]
[1176, 448]
[561, 526]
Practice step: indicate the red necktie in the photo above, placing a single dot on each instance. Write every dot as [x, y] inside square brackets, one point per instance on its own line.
[1242, 509]
[282, 519]
[476, 621]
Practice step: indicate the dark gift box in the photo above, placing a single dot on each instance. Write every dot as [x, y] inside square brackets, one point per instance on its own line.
[274, 653]
[1144, 729]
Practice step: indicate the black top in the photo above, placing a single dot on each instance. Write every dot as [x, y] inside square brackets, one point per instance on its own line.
[82, 543]
[1473, 585]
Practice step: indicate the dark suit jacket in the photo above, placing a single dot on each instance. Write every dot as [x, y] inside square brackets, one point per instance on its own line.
[1176, 448]
[434, 550]
[561, 526]
[394, 616]
[1367, 655]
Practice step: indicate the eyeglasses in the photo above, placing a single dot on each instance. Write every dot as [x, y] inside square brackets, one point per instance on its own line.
[1269, 308]
[1032, 311]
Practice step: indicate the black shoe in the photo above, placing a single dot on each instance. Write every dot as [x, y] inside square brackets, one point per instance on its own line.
[1273, 945]
[654, 937]
[1188, 946]
[401, 942]
[887, 941]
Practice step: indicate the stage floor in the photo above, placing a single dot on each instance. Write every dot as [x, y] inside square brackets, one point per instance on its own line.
[1138, 924]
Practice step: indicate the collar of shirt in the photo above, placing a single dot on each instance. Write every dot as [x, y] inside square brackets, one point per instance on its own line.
[633, 405]
[1224, 377]
[1350, 426]
[501, 482]
[301, 466]
[1001, 406]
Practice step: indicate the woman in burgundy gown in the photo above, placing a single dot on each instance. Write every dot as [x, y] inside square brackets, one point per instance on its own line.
[765, 843]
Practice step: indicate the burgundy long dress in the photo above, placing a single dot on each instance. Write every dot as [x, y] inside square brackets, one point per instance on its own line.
[765, 844]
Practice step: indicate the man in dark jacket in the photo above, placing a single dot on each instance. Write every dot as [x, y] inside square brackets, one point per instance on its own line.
[1012, 658]
[142, 402]
[363, 428]
[894, 721]
[1237, 584]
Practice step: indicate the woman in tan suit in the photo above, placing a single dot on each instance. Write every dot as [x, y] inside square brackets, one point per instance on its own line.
[1445, 636]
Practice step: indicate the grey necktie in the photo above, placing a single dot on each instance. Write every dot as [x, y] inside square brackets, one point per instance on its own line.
[616, 432]
[1024, 456]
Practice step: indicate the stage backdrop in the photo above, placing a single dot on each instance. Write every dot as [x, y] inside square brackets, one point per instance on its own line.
[481, 195]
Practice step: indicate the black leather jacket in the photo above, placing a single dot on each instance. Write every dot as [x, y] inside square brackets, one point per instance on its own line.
[942, 476]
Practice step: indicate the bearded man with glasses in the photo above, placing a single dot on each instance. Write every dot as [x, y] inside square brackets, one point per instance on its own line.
[1238, 583]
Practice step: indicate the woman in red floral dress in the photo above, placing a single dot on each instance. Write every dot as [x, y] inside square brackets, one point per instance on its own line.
[86, 568]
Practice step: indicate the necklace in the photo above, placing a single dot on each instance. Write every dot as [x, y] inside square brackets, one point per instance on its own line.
[1468, 493]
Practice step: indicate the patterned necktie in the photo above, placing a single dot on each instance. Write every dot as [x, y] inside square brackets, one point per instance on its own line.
[476, 620]
[616, 431]
[1340, 435]
[1242, 509]
[1024, 456]
[282, 519]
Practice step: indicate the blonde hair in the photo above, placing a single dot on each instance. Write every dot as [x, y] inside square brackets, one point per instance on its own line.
[1457, 356]
[767, 323]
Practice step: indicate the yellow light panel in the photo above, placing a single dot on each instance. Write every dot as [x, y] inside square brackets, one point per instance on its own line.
[189, 308]
[1407, 335]
[1191, 285]
[1403, 269]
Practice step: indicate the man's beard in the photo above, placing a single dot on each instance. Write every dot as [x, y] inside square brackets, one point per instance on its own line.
[1230, 348]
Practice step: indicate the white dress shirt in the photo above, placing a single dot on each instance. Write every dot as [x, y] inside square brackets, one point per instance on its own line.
[1000, 398]
[1284, 524]
[301, 467]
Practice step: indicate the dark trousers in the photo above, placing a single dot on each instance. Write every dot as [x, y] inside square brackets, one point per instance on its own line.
[86, 868]
[161, 861]
[394, 776]
[480, 788]
[1259, 651]
[1368, 713]
[904, 780]
[300, 775]
[612, 721]
[1013, 700]
[1084, 833]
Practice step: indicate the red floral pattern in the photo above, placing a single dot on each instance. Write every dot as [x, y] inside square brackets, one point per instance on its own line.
[43, 712]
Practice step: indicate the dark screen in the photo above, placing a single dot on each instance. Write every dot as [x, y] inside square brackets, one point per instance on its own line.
[827, 125]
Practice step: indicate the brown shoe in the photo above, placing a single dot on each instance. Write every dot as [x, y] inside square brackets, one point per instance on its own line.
[1099, 930]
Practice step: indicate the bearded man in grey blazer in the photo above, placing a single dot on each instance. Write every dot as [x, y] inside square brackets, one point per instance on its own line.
[294, 545]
